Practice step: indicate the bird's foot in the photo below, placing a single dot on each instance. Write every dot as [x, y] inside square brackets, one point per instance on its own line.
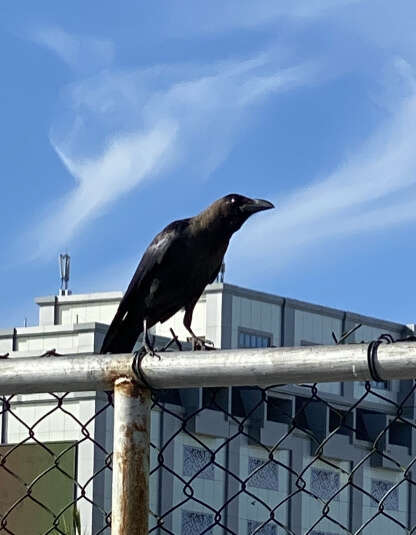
[51, 353]
[200, 344]
[137, 366]
[150, 349]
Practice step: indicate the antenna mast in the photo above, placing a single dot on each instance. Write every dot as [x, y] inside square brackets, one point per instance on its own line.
[64, 265]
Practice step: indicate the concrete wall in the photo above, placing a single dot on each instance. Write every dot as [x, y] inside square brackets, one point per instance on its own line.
[78, 308]
[257, 316]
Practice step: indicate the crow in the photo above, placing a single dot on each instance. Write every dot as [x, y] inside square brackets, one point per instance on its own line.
[175, 269]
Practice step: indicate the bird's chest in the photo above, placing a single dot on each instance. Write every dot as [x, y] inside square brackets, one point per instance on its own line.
[206, 263]
[186, 273]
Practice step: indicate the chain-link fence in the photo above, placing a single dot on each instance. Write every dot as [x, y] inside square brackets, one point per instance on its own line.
[55, 464]
[315, 458]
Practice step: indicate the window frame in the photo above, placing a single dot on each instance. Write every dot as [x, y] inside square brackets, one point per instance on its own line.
[253, 332]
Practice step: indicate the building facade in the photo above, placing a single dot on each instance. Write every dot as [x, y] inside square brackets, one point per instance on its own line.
[233, 317]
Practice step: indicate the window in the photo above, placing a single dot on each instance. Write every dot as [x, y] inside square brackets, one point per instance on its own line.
[324, 484]
[268, 529]
[310, 415]
[379, 489]
[342, 421]
[195, 523]
[215, 398]
[307, 343]
[266, 477]
[252, 339]
[171, 395]
[246, 401]
[369, 424]
[194, 459]
[381, 385]
[400, 434]
[279, 410]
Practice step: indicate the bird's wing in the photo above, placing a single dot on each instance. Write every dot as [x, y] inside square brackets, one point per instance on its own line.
[132, 300]
[152, 258]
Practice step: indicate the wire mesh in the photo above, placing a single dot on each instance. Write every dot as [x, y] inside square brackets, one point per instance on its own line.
[315, 459]
[293, 460]
[52, 463]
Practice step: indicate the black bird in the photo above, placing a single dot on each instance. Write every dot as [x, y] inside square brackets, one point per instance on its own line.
[176, 267]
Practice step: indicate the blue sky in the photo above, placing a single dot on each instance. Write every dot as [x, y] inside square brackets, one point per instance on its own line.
[119, 118]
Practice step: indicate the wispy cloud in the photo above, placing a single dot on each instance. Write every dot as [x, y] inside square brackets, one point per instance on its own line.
[145, 122]
[372, 190]
[127, 161]
[217, 15]
[80, 52]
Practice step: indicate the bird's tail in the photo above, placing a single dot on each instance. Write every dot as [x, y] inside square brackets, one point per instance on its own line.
[122, 334]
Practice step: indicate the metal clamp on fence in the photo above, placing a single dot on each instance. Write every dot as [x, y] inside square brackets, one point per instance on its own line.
[372, 355]
[384, 338]
[137, 369]
[139, 355]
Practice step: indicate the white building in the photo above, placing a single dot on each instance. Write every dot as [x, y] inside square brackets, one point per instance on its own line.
[230, 317]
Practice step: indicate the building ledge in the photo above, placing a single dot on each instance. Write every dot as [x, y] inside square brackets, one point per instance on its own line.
[72, 328]
[98, 297]
[369, 321]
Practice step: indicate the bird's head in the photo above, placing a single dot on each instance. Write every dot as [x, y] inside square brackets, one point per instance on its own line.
[233, 210]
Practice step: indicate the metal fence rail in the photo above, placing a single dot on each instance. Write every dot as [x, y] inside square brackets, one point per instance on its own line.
[240, 441]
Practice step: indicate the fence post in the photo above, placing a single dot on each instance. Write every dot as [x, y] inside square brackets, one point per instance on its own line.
[130, 494]
[4, 420]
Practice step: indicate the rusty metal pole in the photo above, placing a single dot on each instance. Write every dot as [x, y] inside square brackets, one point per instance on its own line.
[130, 495]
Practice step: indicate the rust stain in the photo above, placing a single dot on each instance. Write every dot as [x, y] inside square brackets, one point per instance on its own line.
[128, 432]
[139, 428]
[130, 388]
[112, 376]
[131, 464]
[133, 512]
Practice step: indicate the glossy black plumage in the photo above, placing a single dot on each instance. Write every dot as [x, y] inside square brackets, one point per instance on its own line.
[174, 270]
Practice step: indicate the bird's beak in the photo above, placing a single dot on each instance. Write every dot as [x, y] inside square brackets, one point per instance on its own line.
[256, 205]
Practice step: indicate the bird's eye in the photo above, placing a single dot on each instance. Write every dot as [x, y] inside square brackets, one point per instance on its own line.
[232, 199]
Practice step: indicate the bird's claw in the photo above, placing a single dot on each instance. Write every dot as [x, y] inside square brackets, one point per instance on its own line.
[137, 365]
[199, 344]
[150, 351]
[154, 354]
[51, 353]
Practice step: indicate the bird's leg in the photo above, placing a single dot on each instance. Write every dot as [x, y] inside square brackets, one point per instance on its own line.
[187, 320]
[51, 353]
[146, 342]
